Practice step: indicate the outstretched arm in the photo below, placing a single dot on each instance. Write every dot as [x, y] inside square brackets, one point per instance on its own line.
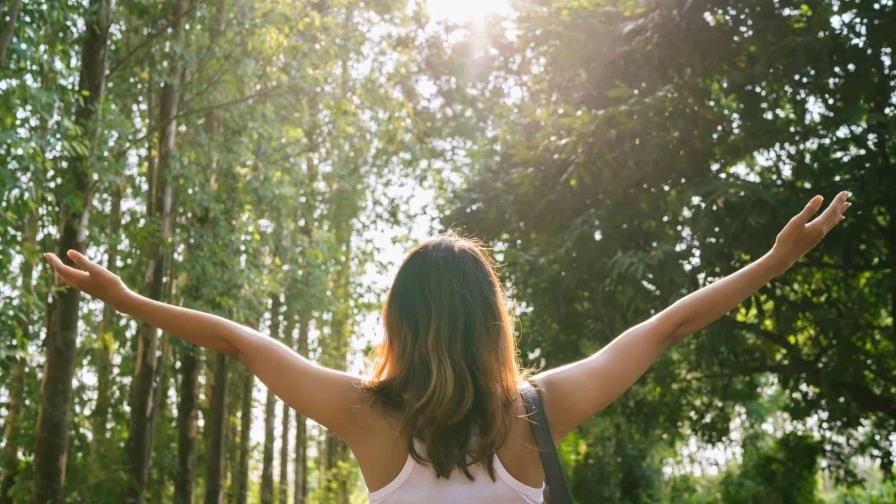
[327, 396]
[575, 392]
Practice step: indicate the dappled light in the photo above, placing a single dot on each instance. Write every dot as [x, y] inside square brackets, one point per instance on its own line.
[685, 210]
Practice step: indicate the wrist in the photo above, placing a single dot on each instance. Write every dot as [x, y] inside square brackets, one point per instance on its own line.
[126, 301]
[776, 263]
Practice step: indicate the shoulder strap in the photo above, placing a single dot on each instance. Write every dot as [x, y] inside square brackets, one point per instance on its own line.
[538, 421]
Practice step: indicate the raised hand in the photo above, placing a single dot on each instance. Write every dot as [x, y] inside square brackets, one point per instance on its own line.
[800, 236]
[94, 279]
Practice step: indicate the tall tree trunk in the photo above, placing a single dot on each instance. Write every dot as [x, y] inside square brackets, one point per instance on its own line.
[336, 480]
[285, 424]
[188, 405]
[105, 345]
[242, 483]
[216, 426]
[234, 426]
[321, 456]
[160, 475]
[187, 413]
[337, 345]
[300, 474]
[145, 388]
[301, 463]
[285, 427]
[51, 441]
[267, 468]
[8, 29]
[217, 433]
[343, 212]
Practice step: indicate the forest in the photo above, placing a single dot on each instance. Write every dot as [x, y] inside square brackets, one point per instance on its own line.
[271, 161]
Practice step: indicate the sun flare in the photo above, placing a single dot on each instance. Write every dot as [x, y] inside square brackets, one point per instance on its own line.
[466, 10]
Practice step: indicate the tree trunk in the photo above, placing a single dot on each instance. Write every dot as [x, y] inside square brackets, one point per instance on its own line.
[343, 212]
[187, 413]
[160, 475]
[336, 481]
[300, 474]
[242, 483]
[337, 348]
[217, 430]
[51, 441]
[145, 388]
[8, 30]
[285, 427]
[285, 424]
[216, 426]
[301, 463]
[267, 469]
[305, 310]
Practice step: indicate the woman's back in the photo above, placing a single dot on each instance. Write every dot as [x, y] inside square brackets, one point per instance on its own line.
[417, 482]
[393, 476]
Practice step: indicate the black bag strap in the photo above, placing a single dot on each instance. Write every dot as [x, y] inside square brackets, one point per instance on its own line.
[558, 491]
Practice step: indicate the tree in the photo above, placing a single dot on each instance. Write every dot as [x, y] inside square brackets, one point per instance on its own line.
[214, 489]
[145, 396]
[73, 194]
[665, 152]
[267, 471]
[777, 471]
[8, 28]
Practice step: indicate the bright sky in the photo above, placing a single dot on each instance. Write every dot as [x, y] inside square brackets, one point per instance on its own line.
[466, 10]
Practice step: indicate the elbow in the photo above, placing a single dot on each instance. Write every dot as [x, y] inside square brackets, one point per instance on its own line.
[669, 331]
[241, 344]
[674, 337]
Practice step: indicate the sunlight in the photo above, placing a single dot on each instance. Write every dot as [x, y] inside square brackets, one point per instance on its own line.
[466, 10]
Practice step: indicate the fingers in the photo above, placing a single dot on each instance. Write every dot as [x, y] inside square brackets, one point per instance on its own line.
[834, 212]
[80, 260]
[809, 210]
[68, 274]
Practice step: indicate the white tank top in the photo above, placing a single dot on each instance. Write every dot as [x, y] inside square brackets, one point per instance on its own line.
[417, 483]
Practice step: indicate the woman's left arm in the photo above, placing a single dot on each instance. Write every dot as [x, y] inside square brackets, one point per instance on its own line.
[574, 392]
[698, 309]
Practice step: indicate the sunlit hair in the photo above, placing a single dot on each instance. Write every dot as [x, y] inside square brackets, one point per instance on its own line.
[448, 365]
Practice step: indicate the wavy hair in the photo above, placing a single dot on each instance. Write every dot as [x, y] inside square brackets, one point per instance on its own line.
[448, 365]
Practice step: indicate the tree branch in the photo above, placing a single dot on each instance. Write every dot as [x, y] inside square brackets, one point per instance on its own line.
[815, 375]
[124, 60]
[858, 268]
[8, 30]
[266, 93]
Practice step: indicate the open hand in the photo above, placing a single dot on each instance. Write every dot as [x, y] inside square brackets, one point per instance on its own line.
[95, 280]
[800, 236]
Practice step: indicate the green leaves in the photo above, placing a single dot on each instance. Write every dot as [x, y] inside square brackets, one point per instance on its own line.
[692, 138]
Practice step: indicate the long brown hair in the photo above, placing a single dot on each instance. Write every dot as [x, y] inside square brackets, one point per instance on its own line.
[448, 366]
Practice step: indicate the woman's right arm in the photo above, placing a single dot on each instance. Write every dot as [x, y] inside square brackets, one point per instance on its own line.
[327, 396]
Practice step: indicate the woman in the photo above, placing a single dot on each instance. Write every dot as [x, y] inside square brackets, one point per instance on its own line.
[441, 419]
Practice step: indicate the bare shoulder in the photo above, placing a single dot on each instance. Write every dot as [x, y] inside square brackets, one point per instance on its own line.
[519, 453]
[375, 438]
[574, 392]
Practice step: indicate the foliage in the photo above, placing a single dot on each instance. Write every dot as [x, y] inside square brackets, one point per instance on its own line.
[638, 150]
[617, 154]
[291, 119]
